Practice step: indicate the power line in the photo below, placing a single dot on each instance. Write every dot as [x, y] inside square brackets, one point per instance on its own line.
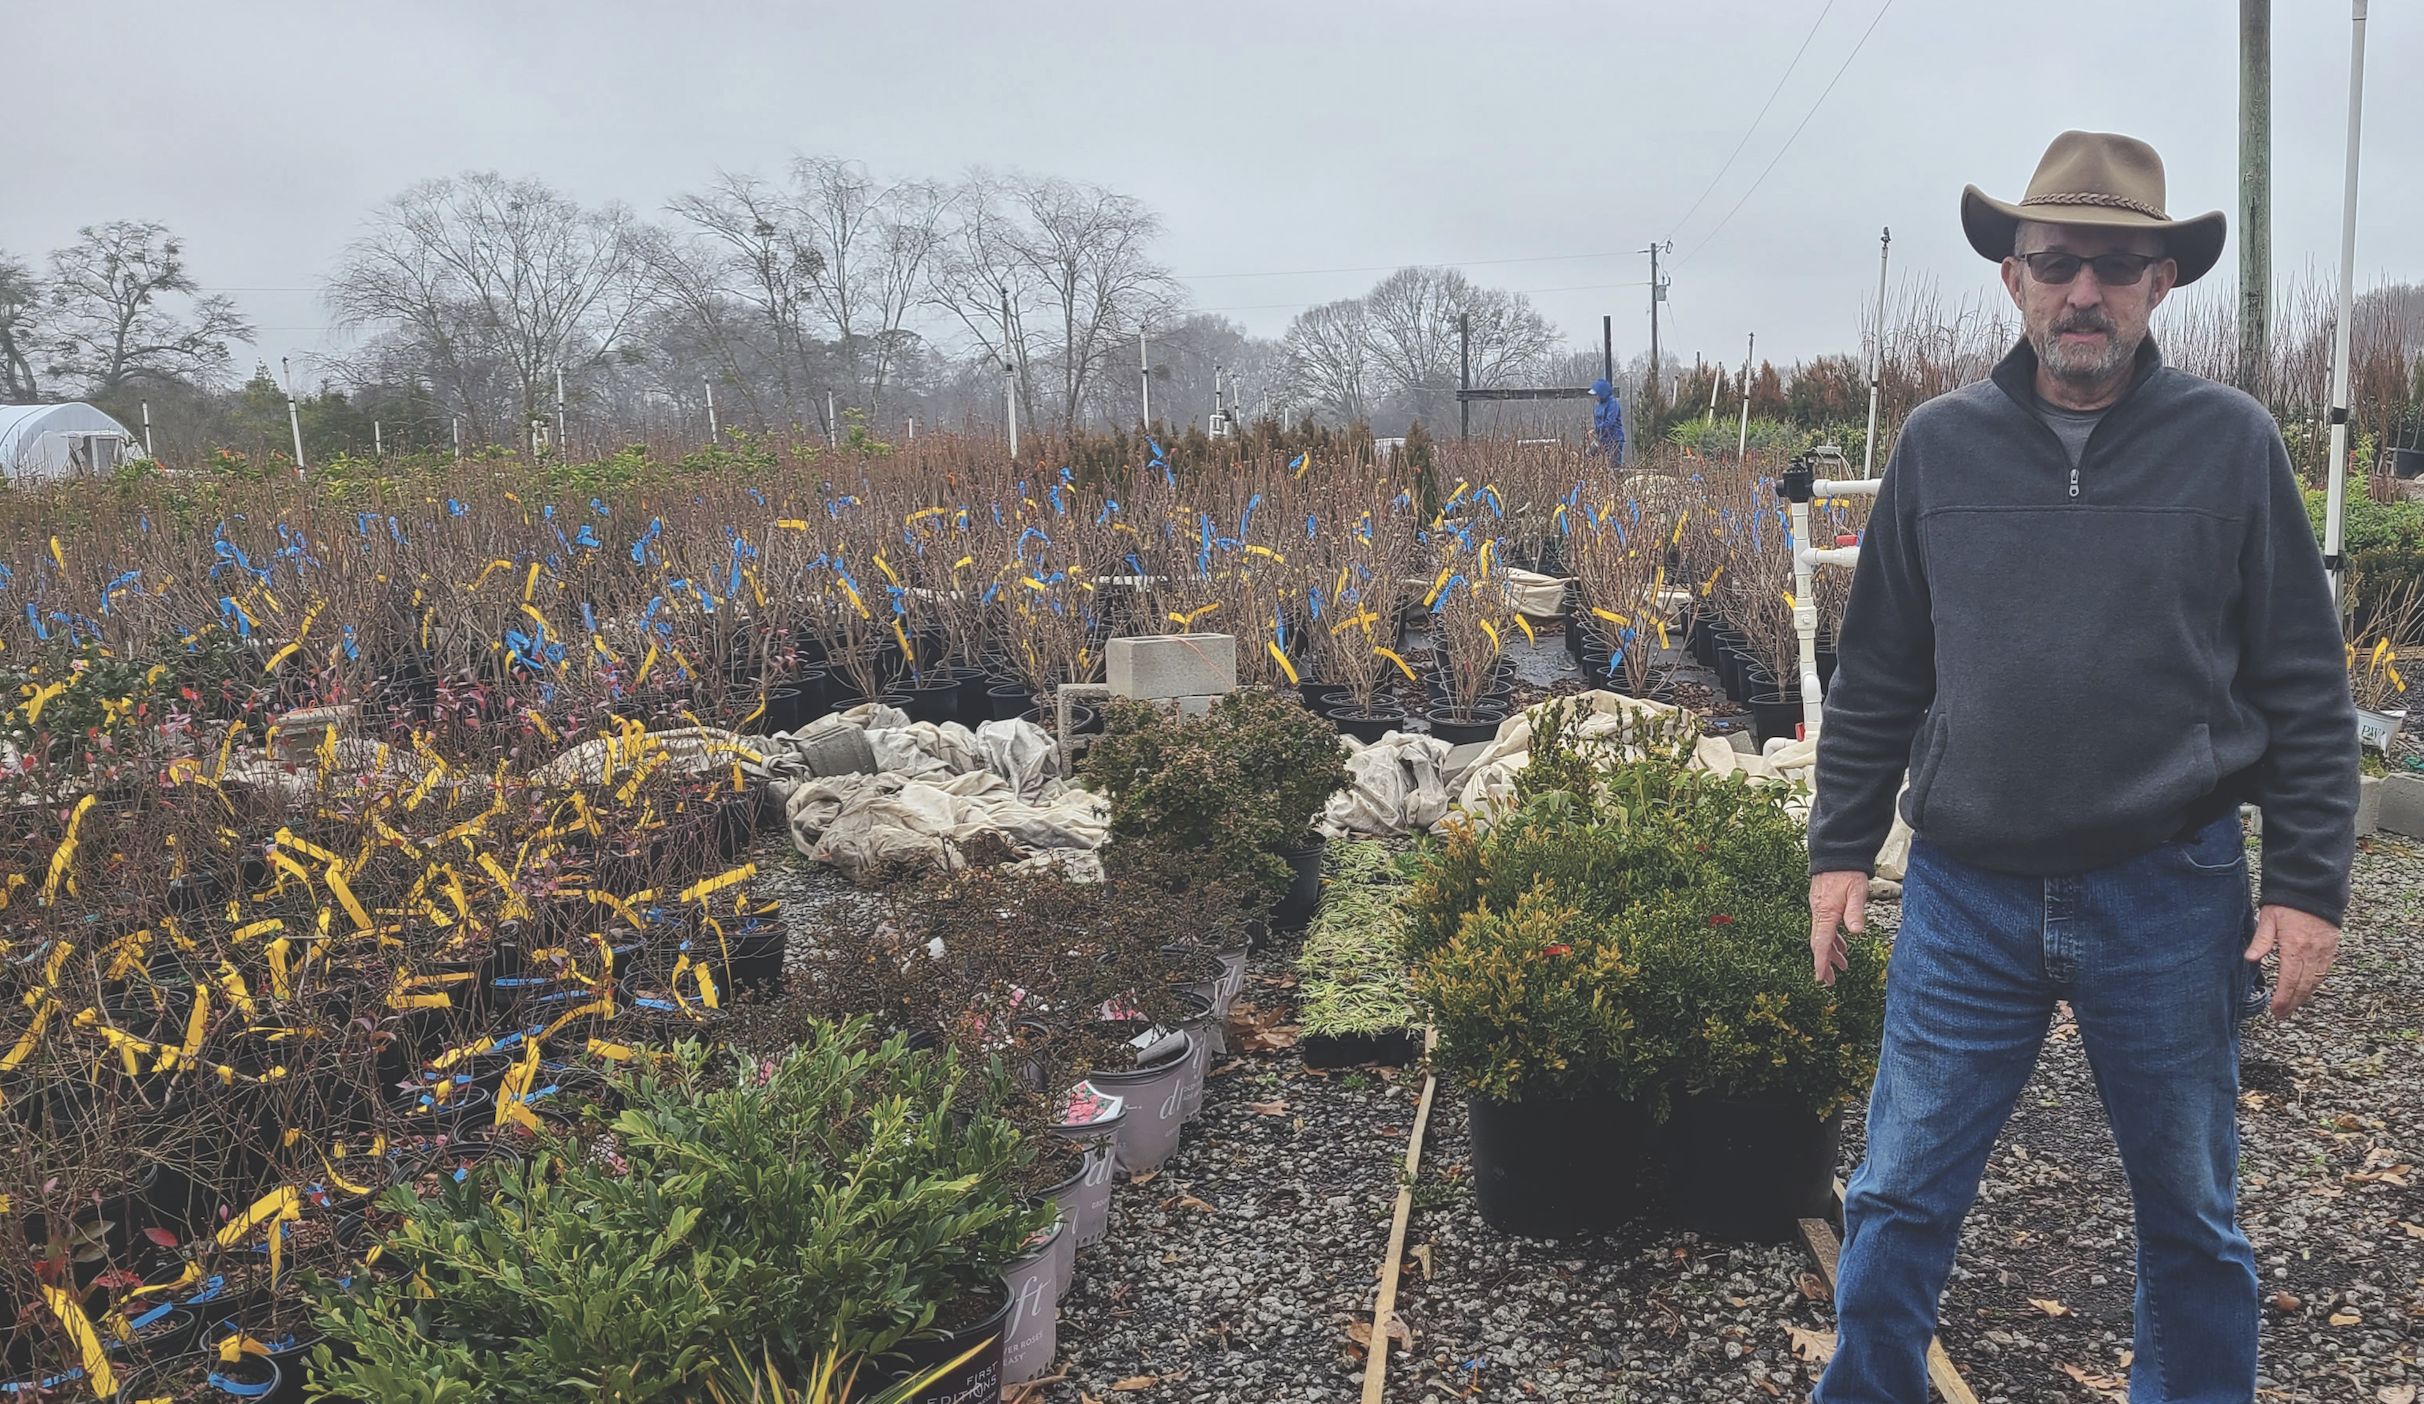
[1788, 141]
[1393, 267]
[1773, 94]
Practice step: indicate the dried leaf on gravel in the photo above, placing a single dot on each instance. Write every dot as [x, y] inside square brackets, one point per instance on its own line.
[1267, 1108]
[2411, 1230]
[2105, 1386]
[1812, 1286]
[1816, 1347]
[1135, 1382]
[1421, 1253]
[2049, 1306]
[2346, 1318]
[2396, 1394]
[2284, 1302]
[1188, 1201]
[1257, 1030]
[1360, 1333]
[1143, 1177]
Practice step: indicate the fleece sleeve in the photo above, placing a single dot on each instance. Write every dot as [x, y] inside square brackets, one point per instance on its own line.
[1885, 678]
[2293, 668]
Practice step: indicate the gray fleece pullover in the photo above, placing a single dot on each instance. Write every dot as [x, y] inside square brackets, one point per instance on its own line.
[2078, 664]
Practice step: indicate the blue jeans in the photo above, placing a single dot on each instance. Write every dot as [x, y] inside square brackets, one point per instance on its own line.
[2147, 952]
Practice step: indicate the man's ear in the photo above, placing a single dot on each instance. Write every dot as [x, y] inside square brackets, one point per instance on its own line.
[2012, 271]
[2166, 275]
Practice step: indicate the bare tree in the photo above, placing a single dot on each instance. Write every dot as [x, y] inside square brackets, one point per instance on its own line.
[1328, 363]
[108, 323]
[1417, 318]
[981, 280]
[481, 271]
[20, 329]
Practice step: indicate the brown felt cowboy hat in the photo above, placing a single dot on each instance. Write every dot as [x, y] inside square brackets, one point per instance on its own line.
[2097, 178]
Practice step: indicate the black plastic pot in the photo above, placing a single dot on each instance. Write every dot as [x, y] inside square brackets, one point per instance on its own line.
[933, 699]
[1304, 890]
[248, 1377]
[975, 708]
[1394, 1048]
[1456, 727]
[1774, 714]
[1733, 672]
[1555, 1167]
[1749, 1169]
[977, 1378]
[1082, 720]
[1009, 701]
[1320, 697]
[1369, 726]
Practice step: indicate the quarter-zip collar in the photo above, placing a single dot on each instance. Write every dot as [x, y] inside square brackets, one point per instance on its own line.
[2016, 377]
[2016, 374]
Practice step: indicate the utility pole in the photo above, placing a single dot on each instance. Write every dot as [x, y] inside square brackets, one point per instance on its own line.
[1742, 443]
[1464, 359]
[2255, 194]
[709, 386]
[147, 443]
[1009, 375]
[1607, 349]
[1658, 292]
[294, 417]
[1144, 376]
[1868, 465]
[378, 441]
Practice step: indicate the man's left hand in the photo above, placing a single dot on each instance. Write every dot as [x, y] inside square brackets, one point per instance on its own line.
[2307, 944]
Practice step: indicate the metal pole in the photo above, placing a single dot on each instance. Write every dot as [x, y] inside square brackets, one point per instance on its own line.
[833, 423]
[294, 417]
[147, 443]
[1144, 376]
[2335, 501]
[1464, 358]
[1742, 442]
[1009, 375]
[1868, 463]
[709, 386]
[559, 437]
[378, 441]
[2255, 195]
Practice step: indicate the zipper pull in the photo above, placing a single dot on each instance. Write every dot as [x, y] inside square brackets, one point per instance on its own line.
[2074, 482]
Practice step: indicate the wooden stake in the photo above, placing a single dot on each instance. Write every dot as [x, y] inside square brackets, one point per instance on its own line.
[1376, 1351]
[1820, 1236]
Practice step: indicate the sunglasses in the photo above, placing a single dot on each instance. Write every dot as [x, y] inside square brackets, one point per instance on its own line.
[2113, 270]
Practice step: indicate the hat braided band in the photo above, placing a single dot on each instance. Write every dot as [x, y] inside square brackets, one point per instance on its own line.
[2095, 197]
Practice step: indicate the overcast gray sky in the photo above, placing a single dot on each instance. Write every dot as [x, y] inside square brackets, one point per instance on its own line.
[1295, 150]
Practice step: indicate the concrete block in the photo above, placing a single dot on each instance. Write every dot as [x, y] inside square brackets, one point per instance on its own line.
[2369, 804]
[1163, 666]
[2403, 804]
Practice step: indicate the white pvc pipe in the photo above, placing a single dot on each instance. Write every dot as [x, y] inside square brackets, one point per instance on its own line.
[2335, 502]
[1846, 556]
[1845, 487]
[1868, 462]
[1805, 621]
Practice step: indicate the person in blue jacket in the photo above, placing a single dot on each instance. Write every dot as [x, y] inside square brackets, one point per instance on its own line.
[1607, 422]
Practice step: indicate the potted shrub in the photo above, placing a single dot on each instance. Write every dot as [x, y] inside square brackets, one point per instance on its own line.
[1354, 1004]
[1761, 1059]
[1226, 798]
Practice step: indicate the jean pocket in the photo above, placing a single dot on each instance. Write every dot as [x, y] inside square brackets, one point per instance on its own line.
[2220, 847]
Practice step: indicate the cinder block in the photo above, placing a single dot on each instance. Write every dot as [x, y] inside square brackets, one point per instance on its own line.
[1163, 666]
[2369, 804]
[2403, 805]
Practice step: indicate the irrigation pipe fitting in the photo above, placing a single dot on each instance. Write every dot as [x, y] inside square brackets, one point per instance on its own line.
[1799, 484]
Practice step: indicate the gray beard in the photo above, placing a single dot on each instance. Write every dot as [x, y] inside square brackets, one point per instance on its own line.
[2078, 366]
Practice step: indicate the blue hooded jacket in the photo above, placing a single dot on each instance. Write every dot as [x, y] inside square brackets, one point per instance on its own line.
[1607, 420]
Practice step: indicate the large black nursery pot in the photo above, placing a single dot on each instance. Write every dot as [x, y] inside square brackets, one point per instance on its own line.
[1296, 909]
[1457, 726]
[1008, 701]
[1749, 1169]
[1369, 726]
[1321, 697]
[977, 1378]
[933, 697]
[1774, 714]
[1554, 1167]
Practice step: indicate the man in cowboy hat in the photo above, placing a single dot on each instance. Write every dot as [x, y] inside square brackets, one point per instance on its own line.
[2089, 620]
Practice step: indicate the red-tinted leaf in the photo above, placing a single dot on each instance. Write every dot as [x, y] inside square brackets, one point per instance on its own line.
[161, 1237]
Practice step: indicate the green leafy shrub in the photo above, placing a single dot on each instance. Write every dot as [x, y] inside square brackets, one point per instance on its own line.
[834, 1199]
[1640, 929]
[1351, 971]
[1725, 991]
[1531, 1003]
[1211, 799]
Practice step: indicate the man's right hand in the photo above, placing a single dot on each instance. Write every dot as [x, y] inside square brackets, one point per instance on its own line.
[1838, 901]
